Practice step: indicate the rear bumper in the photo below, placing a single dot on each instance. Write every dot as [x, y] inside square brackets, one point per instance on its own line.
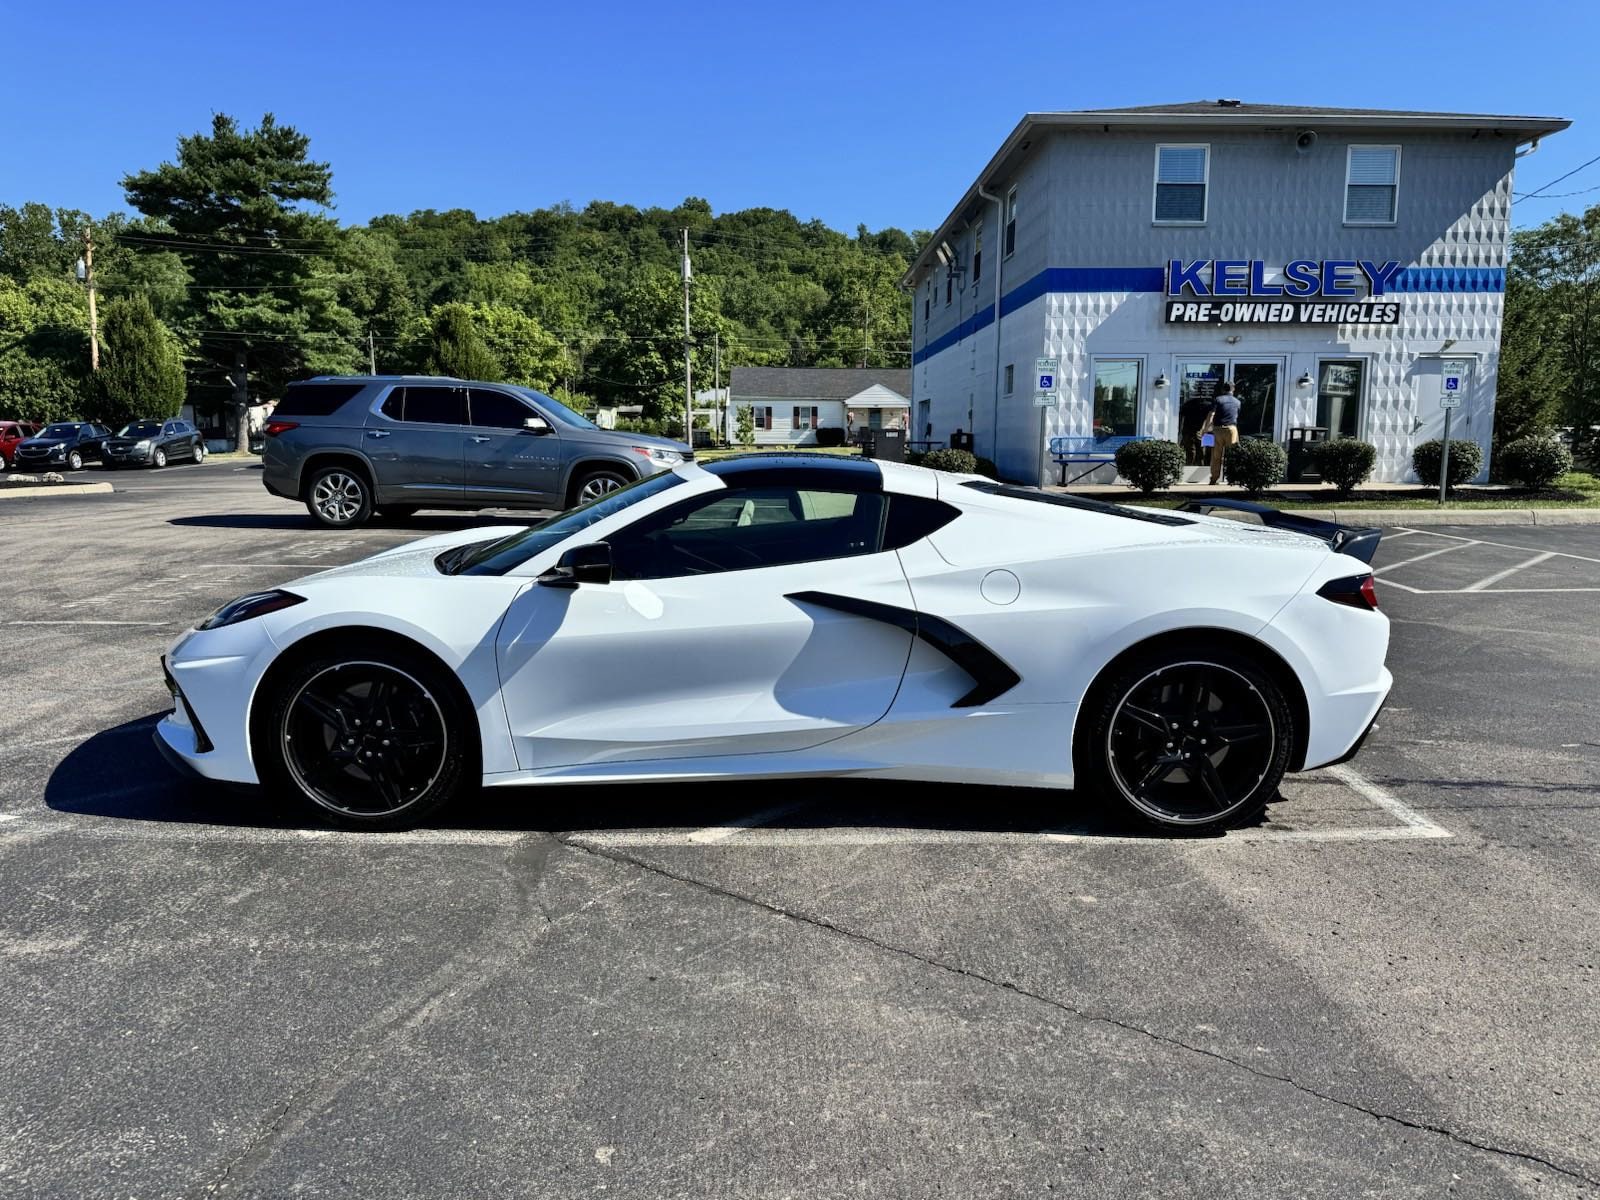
[1360, 741]
[1341, 722]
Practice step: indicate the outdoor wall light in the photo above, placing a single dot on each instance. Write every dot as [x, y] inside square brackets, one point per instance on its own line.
[1304, 380]
[1161, 380]
[1232, 339]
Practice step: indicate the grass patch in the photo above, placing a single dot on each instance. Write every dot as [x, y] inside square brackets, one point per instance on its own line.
[1576, 489]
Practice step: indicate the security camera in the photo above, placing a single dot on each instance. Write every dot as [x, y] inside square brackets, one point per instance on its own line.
[1304, 140]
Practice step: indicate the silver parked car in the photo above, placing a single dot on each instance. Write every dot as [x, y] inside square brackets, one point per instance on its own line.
[349, 446]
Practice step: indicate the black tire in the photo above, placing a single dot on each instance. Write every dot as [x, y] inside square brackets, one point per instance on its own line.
[1192, 741]
[591, 485]
[339, 497]
[75, 461]
[324, 733]
[158, 458]
[198, 452]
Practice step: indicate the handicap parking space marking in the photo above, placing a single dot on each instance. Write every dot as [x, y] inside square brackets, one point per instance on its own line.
[1485, 585]
[1406, 562]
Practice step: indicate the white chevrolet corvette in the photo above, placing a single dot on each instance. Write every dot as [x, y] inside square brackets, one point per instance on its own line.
[802, 616]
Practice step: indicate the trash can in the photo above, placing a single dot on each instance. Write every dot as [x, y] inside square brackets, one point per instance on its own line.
[891, 445]
[1302, 451]
[867, 443]
[961, 441]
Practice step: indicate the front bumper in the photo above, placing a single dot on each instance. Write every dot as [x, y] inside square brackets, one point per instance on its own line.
[119, 457]
[212, 677]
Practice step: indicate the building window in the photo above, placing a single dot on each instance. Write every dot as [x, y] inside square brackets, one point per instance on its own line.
[927, 308]
[977, 253]
[949, 284]
[805, 418]
[762, 415]
[1182, 175]
[1372, 185]
[1011, 223]
[1116, 397]
[1339, 396]
[1010, 376]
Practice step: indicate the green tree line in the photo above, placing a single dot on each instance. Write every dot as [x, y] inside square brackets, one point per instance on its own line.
[230, 277]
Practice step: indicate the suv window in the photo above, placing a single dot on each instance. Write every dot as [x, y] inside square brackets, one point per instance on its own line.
[315, 399]
[496, 410]
[427, 405]
[747, 528]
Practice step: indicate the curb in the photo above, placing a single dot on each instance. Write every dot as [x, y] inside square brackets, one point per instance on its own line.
[38, 491]
[1453, 516]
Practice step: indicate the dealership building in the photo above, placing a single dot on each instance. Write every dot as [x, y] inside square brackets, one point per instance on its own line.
[1328, 262]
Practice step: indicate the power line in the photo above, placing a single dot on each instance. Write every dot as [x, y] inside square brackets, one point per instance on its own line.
[1536, 191]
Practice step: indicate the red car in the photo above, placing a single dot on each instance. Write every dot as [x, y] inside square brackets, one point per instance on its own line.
[11, 435]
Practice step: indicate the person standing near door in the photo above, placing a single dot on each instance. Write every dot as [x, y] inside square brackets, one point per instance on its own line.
[1223, 425]
[1192, 414]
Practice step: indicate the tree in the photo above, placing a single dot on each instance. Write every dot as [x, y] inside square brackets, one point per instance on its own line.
[233, 207]
[44, 349]
[455, 348]
[746, 424]
[141, 371]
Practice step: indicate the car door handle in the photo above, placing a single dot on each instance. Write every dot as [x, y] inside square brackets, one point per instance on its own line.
[377, 433]
[478, 437]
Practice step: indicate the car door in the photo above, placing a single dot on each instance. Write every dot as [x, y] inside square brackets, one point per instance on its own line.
[505, 461]
[414, 441]
[709, 640]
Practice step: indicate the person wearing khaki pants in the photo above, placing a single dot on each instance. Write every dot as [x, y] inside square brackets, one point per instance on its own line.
[1223, 425]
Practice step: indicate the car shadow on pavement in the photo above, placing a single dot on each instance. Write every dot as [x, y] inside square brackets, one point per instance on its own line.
[118, 773]
[424, 524]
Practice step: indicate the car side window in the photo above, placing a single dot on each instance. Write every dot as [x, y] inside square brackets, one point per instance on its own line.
[429, 405]
[496, 410]
[743, 529]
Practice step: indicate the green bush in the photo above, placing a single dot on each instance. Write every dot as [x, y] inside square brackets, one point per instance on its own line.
[1151, 466]
[962, 462]
[1536, 461]
[1345, 462]
[1466, 460]
[1255, 464]
[987, 467]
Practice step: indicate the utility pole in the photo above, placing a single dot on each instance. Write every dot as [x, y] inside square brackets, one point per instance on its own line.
[688, 369]
[716, 376]
[86, 273]
[372, 355]
[866, 326]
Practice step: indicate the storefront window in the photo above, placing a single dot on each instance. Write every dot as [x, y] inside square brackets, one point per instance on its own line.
[1339, 397]
[1116, 397]
[1256, 385]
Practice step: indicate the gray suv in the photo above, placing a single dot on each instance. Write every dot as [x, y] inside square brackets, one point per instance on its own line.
[350, 446]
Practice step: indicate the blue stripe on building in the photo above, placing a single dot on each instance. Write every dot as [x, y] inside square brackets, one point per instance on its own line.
[1412, 280]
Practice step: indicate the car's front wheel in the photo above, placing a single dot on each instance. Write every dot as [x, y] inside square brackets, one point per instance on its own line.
[371, 738]
[199, 452]
[338, 498]
[599, 483]
[75, 461]
[158, 457]
[1192, 740]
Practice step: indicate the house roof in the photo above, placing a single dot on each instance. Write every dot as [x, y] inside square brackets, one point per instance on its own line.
[1224, 114]
[814, 383]
[878, 396]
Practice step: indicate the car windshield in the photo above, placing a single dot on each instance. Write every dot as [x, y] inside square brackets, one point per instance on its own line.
[59, 431]
[502, 554]
[558, 411]
[141, 429]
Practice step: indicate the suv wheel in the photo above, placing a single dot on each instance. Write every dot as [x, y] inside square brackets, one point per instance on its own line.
[598, 483]
[199, 452]
[158, 457]
[75, 461]
[338, 498]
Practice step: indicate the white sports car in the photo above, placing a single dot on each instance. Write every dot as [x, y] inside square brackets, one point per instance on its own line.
[802, 615]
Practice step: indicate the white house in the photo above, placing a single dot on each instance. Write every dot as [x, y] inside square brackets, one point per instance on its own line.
[789, 404]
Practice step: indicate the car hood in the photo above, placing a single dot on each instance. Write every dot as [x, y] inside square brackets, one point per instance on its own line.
[44, 443]
[615, 437]
[414, 558]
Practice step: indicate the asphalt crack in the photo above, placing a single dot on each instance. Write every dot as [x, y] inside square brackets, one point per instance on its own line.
[1071, 1010]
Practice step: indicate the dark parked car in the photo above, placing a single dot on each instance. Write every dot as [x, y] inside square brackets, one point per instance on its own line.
[12, 434]
[67, 444]
[347, 447]
[154, 444]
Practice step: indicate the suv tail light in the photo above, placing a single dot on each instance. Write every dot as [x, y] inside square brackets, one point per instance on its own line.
[1357, 591]
[274, 428]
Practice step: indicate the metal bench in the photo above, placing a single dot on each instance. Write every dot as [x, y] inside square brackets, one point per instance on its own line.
[1095, 451]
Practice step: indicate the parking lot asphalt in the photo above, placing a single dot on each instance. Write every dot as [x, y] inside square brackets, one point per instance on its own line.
[806, 989]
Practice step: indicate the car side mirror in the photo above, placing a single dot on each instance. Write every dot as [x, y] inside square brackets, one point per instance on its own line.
[536, 425]
[581, 564]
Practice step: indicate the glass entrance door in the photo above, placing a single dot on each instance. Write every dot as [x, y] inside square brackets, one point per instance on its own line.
[1256, 385]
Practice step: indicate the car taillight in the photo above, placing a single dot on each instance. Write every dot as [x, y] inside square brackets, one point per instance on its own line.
[274, 428]
[1358, 591]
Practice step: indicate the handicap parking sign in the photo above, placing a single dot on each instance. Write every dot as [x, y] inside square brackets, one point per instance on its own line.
[1047, 383]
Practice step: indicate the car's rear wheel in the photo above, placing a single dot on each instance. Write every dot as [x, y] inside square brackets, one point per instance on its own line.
[374, 738]
[1188, 740]
[599, 483]
[338, 498]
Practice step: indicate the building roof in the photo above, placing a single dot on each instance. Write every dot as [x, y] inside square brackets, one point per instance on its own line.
[814, 383]
[1225, 114]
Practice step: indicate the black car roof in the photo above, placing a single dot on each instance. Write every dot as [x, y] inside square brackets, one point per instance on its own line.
[841, 473]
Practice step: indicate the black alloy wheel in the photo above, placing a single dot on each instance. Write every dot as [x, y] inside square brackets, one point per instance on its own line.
[1196, 742]
[376, 742]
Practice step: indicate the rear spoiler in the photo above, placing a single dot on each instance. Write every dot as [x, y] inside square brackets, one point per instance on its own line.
[1341, 539]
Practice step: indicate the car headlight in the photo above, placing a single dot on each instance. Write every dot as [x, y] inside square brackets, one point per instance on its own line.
[256, 604]
[142, 444]
[667, 458]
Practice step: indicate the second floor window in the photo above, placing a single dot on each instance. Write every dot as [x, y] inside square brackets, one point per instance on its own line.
[1011, 223]
[1182, 175]
[1372, 185]
[977, 253]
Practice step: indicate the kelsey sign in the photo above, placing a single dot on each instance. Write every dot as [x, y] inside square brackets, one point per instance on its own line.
[1331, 291]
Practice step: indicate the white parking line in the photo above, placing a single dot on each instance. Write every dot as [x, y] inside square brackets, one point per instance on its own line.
[87, 622]
[1369, 791]
[1546, 556]
[1455, 537]
[115, 829]
[721, 833]
[1406, 562]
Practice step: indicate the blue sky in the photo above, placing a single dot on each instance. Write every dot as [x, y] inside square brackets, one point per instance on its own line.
[862, 112]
